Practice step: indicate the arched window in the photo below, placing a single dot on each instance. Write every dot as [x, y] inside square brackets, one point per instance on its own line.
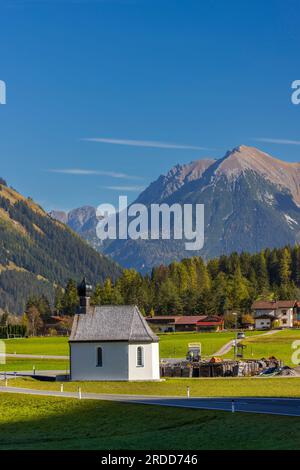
[99, 357]
[140, 356]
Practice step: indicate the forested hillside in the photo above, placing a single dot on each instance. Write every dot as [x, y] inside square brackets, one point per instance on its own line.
[222, 284]
[38, 254]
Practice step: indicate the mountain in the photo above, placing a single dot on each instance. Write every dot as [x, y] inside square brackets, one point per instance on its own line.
[38, 253]
[177, 177]
[251, 199]
[83, 221]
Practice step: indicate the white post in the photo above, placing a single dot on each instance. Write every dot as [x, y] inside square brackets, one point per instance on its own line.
[188, 391]
[5, 382]
[61, 388]
[232, 406]
[79, 393]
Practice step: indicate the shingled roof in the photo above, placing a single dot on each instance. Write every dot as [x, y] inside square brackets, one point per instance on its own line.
[112, 323]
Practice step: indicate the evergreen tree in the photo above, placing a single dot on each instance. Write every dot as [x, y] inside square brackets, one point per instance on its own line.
[285, 266]
[70, 300]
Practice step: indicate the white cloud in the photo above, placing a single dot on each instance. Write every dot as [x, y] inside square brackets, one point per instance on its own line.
[84, 172]
[278, 141]
[125, 188]
[143, 143]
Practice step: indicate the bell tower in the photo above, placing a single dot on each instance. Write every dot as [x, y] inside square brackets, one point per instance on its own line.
[84, 292]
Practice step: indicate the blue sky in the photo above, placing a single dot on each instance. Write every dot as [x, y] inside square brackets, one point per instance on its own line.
[87, 78]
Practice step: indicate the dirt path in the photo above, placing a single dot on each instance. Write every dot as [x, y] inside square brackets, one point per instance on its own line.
[227, 347]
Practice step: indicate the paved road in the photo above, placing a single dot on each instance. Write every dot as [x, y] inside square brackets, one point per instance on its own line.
[277, 406]
[29, 373]
[34, 356]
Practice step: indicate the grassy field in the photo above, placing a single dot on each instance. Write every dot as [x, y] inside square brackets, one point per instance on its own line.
[56, 423]
[19, 364]
[278, 345]
[176, 344]
[52, 346]
[257, 387]
[171, 344]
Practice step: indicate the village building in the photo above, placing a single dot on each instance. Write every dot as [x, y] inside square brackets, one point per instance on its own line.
[211, 323]
[111, 343]
[168, 323]
[282, 313]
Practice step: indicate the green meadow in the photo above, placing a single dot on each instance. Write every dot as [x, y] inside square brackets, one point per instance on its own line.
[43, 423]
[278, 345]
[170, 344]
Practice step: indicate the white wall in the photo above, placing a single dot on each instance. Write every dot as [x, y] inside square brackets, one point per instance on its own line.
[150, 369]
[114, 361]
[119, 361]
[263, 323]
[288, 317]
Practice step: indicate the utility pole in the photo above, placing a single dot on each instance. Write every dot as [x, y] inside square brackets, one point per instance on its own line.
[235, 341]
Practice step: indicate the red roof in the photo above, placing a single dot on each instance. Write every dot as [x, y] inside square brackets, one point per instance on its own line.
[178, 320]
[210, 323]
[161, 317]
[189, 319]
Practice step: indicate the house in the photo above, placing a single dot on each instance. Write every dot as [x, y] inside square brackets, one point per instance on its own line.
[210, 323]
[111, 343]
[283, 312]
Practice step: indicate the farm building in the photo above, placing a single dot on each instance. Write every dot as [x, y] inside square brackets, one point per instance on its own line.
[283, 312]
[111, 343]
[210, 323]
[167, 323]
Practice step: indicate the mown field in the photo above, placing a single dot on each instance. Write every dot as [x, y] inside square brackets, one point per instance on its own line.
[171, 344]
[13, 364]
[28, 422]
[52, 346]
[223, 387]
[258, 345]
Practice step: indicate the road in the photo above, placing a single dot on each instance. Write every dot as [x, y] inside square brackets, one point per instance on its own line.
[34, 356]
[275, 406]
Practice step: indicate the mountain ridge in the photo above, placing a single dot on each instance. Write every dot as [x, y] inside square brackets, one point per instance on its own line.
[252, 201]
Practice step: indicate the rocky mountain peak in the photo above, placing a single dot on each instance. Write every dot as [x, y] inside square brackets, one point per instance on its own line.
[243, 159]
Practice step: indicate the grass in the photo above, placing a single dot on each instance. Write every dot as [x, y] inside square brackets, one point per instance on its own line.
[19, 364]
[52, 346]
[176, 344]
[278, 345]
[223, 387]
[47, 423]
[171, 344]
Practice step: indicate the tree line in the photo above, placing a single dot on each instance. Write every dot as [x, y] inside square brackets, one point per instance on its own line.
[192, 286]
